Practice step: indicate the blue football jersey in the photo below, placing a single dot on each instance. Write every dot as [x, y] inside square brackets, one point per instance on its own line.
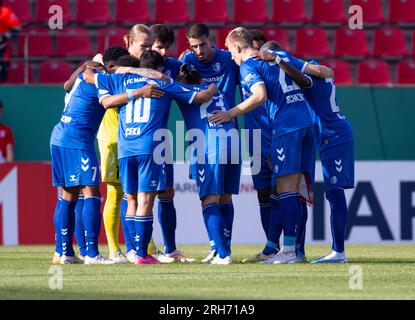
[222, 71]
[334, 127]
[196, 117]
[172, 68]
[259, 118]
[80, 119]
[286, 105]
[141, 118]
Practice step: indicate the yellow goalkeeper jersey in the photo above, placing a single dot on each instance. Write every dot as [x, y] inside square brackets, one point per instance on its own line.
[109, 126]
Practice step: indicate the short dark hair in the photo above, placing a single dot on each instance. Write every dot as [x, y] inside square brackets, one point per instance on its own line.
[128, 61]
[258, 35]
[197, 31]
[151, 59]
[163, 33]
[188, 75]
[114, 53]
[271, 45]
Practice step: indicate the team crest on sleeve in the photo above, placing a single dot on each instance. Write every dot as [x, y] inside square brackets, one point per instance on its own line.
[216, 67]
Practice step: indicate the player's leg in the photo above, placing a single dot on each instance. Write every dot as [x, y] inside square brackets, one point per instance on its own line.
[67, 223]
[79, 227]
[111, 215]
[143, 222]
[168, 222]
[305, 183]
[63, 165]
[338, 172]
[129, 242]
[286, 160]
[152, 179]
[216, 225]
[167, 212]
[211, 185]
[56, 259]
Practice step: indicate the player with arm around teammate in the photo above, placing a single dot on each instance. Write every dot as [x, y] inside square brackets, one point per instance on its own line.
[141, 176]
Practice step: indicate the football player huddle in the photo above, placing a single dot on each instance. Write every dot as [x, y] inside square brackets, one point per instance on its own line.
[123, 97]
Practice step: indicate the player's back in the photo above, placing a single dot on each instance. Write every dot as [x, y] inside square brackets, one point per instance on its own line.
[323, 100]
[141, 118]
[285, 103]
[222, 71]
[81, 117]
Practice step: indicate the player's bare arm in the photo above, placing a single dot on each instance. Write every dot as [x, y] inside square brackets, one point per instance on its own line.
[144, 72]
[298, 77]
[259, 96]
[88, 65]
[148, 91]
[311, 69]
[206, 95]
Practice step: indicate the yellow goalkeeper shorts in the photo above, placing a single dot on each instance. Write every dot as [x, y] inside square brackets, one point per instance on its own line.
[109, 162]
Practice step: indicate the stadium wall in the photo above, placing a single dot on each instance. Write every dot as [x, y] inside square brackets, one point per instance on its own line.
[382, 119]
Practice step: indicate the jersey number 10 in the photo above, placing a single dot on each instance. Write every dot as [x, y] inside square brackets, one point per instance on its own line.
[138, 111]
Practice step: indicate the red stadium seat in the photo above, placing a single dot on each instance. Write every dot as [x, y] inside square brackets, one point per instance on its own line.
[93, 12]
[21, 8]
[350, 43]
[38, 41]
[172, 11]
[211, 11]
[221, 35]
[54, 71]
[42, 10]
[132, 11]
[402, 11]
[389, 43]
[312, 42]
[373, 72]
[372, 11]
[73, 42]
[328, 11]
[250, 11]
[279, 35]
[181, 41]
[109, 37]
[406, 72]
[17, 72]
[341, 70]
[289, 11]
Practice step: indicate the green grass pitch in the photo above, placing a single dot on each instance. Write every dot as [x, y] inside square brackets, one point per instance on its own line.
[388, 272]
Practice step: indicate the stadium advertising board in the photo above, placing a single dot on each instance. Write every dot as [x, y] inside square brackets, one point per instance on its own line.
[381, 207]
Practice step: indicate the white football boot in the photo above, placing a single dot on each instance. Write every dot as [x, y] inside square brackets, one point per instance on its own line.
[258, 258]
[212, 254]
[222, 261]
[161, 257]
[119, 257]
[131, 256]
[70, 260]
[98, 259]
[283, 257]
[333, 257]
[178, 256]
